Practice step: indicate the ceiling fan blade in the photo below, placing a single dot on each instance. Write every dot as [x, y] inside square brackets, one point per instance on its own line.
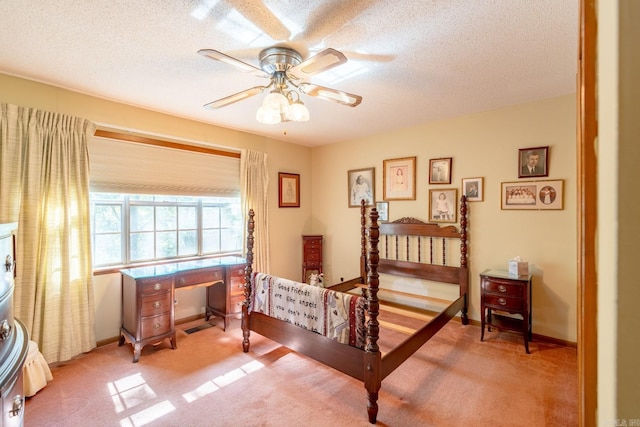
[318, 63]
[222, 102]
[242, 66]
[260, 15]
[329, 94]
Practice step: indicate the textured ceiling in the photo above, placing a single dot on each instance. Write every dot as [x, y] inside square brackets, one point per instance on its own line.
[411, 61]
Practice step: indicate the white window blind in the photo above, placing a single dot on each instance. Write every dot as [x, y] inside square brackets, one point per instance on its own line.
[140, 168]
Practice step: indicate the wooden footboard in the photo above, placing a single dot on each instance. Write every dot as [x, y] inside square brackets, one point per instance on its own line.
[369, 365]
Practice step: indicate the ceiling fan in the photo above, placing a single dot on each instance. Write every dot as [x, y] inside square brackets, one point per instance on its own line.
[287, 74]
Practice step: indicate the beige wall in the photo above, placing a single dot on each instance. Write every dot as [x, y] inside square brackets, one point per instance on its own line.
[286, 225]
[482, 145]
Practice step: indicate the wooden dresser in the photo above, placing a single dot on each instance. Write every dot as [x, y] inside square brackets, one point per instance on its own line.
[507, 294]
[311, 255]
[14, 339]
[148, 294]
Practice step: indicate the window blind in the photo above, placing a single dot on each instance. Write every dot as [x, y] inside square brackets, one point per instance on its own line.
[141, 168]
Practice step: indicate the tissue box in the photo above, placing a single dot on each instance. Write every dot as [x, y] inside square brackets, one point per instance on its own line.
[517, 268]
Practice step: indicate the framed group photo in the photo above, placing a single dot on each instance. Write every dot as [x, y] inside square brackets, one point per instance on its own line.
[288, 190]
[399, 179]
[473, 189]
[532, 195]
[440, 170]
[361, 186]
[443, 205]
[533, 162]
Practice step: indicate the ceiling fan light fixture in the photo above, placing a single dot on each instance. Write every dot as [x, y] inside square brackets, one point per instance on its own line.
[275, 102]
[267, 117]
[297, 112]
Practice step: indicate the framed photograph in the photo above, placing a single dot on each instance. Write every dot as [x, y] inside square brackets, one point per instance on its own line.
[383, 211]
[533, 162]
[443, 205]
[473, 188]
[288, 190]
[361, 185]
[440, 171]
[399, 179]
[532, 195]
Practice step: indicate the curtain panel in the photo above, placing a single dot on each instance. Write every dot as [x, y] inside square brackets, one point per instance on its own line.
[254, 183]
[44, 175]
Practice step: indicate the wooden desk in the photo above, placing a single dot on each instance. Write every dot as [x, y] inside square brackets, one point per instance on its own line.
[148, 295]
[502, 292]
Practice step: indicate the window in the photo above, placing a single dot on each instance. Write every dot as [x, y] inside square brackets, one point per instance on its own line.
[129, 229]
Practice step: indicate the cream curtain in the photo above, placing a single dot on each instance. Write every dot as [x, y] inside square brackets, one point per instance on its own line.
[254, 182]
[45, 178]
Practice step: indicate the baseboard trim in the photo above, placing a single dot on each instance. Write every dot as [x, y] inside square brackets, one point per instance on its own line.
[110, 340]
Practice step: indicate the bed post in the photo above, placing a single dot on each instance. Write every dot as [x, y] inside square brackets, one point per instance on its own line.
[372, 356]
[464, 270]
[248, 269]
[363, 245]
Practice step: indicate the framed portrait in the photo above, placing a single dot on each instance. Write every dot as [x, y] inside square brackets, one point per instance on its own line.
[443, 205]
[361, 186]
[532, 195]
[533, 162]
[383, 211]
[473, 188]
[440, 170]
[399, 179]
[288, 190]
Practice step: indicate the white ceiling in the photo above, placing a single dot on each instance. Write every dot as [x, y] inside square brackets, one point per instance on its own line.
[412, 61]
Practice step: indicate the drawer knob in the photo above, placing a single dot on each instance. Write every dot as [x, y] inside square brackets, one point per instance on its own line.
[5, 330]
[157, 286]
[156, 326]
[156, 304]
[18, 403]
[502, 301]
[181, 281]
[502, 288]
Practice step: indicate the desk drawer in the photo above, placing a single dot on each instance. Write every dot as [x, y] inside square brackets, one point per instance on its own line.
[496, 286]
[156, 304]
[155, 285]
[504, 303]
[155, 325]
[196, 277]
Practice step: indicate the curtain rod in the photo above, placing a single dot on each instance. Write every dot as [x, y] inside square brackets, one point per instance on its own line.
[161, 143]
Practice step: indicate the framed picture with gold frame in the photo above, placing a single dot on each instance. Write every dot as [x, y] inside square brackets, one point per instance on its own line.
[443, 205]
[399, 179]
[288, 190]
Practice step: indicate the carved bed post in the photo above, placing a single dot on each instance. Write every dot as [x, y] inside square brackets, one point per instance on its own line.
[363, 245]
[248, 269]
[464, 271]
[372, 355]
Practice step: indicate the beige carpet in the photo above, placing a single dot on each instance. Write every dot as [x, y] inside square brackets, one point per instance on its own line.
[453, 380]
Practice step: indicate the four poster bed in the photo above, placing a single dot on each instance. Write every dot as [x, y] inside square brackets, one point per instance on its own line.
[339, 328]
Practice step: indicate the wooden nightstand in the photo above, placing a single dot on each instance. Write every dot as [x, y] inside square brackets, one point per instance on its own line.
[501, 292]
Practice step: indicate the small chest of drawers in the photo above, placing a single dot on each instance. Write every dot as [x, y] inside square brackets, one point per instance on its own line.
[311, 255]
[502, 293]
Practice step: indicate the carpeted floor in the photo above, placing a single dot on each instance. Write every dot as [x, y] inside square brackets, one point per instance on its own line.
[453, 380]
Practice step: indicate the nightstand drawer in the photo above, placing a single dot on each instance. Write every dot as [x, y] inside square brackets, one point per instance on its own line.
[504, 303]
[503, 288]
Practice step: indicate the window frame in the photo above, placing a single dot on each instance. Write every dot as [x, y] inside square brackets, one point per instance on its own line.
[127, 201]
